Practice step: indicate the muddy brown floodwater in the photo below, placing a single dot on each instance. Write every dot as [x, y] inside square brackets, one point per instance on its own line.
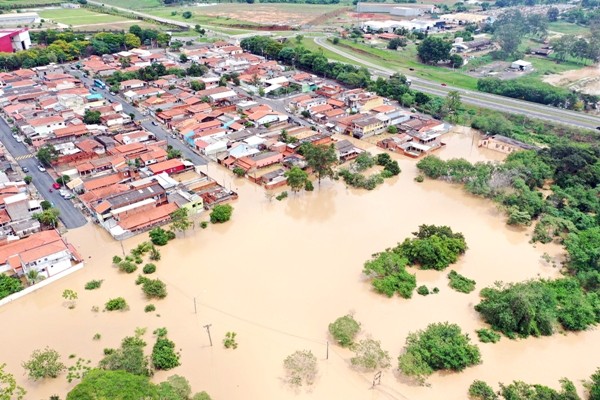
[279, 272]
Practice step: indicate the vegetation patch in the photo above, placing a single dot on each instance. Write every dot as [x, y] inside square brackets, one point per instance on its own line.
[389, 275]
[460, 283]
[488, 336]
[95, 284]
[344, 330]
[116, 304]
[221, 213]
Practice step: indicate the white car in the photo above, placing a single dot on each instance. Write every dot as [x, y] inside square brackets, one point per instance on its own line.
[41, 168]
[19, 140]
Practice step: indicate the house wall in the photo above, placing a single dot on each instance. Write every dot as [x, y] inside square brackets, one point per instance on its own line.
[51, 265]
[498, 146]
[275, 158]
[45, 130]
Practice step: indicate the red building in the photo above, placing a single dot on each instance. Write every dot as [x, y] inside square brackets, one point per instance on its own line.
[169, 166]
[12, 40]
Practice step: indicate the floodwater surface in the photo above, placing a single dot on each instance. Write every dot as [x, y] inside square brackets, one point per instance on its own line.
[280, 271]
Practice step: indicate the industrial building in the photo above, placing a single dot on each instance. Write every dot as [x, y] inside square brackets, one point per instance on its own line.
[12, 40]
[395, 9]
[390, 26]
[14, 19]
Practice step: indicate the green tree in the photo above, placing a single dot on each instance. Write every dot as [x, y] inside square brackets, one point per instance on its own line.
[48, 217]
[180, 220]
[240, 172]
[158, 236]
[33, 276]
[122, 385]
[154, 288]
[441, 346]
[479, 390]
[433, 50]
[129, 357]
[91, 117]
[136, 30]
[9, 389]
[44, 364]
[389, 275]
[63, 180]
[221, 213]
[368, 354]
[186, 14]
[296, 178]
[197, 85]
[164, 356]
[456, 61]
[552, 14]
[27, 179]
[460, 283]
[434, 247]
[175, 388]
[132, 41]
[47, 154]
[320, 159]
[301, 368]
[9, 285]
[344, 329]
[509, 29]
[593, 386]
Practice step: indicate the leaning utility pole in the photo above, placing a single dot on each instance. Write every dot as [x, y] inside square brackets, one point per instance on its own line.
[207, 327]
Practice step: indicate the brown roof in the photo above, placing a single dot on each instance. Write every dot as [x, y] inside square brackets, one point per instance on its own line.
[101, 182]
[148, 217]
[34, 247]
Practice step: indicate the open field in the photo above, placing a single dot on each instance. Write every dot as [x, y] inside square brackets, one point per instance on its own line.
[78, 17]
[247, 14]
[310, 44]
[32, 3]
[135, 4]
[568, 28]
[405, 59]
[586, 80]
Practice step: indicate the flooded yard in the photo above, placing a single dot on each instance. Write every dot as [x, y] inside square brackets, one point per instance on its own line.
[279, 272]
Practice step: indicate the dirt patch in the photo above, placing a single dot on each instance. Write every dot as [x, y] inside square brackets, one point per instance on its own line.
[585, 80]
[496, 69]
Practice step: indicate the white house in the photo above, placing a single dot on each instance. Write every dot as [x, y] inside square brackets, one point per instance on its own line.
[46, 125]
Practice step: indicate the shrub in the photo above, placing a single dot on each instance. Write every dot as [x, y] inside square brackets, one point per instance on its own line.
[149, 308]
[479, 390]
[149, 268]
[154, 254]
[460, 283]
[370, 355]
[139, 260]
[129, 357]
[435, 290]
[97, 336]
[301, 368]
[282, 195]
[141, 279]
[154, 288]
[118, 303]
[422, 290]
[116, 260]
[441, 346]
[158, 236]
[344, 329]
[488, 335]
[164, 356]
[308, 186]
[434, 247]
[203, 224]
[419, 178]
[127, 266]
[229, 342]
[240, 172]
[160, 332]
[44, 364]
[389, 274]
[91, 285]
[221, 213]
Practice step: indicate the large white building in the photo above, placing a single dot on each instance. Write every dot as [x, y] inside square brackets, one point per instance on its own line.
[14, 19]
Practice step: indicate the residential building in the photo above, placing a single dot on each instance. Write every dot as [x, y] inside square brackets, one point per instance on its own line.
[504, 144]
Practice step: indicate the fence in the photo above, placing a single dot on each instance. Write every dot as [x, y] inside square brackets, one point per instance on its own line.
[40, 285]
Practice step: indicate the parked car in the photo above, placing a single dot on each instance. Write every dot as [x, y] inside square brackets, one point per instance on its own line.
[56, 185]
[25, 169]
[41, 168]
[443, 84]
[18, 139]
[154, 123]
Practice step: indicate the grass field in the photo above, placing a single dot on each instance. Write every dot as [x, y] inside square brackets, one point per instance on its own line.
[79, 17]
[29, 3]
[134, 4]
[568, 28]
[403, 60]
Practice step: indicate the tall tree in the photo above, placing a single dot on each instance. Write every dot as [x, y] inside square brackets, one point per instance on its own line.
[434, 49]
[180, 220]
[320, 158]
[47, 154]
[509, 29]
[296, 178]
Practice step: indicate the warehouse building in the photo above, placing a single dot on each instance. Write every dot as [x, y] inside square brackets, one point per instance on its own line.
[14, 19]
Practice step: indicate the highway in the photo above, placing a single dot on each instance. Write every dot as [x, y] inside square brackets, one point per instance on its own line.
[70, 216]
[485, 100]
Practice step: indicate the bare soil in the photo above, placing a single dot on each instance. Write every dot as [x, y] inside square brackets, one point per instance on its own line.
[585, 80]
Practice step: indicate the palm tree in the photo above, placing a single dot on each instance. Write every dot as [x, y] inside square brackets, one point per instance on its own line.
[33, 276]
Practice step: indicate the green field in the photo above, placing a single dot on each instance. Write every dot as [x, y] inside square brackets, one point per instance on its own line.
[134, 4]
[568, 28]
[78, 17]
[310, 44]
[402, 60]
[29, 3]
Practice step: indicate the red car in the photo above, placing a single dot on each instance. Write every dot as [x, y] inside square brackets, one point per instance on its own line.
[443, 84]
[56, 185]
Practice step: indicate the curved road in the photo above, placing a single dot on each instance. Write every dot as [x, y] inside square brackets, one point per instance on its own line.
[491, 101]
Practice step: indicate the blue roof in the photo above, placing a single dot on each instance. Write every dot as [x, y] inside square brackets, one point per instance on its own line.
[94, 96]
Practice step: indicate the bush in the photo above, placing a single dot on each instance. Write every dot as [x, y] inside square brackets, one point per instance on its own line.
[389, 274]
[127, 266]
[282, 195]
[479, 390]
[422, 290]
[203, 224]
[9, 285]
[229, 342]
[240, 172]
[159, 237]
[91, 285]
[149, 308]
[344, 329]
[419, 178]
[221, 213]
[164, 356]
[141, 279]
[116, 260]
[434, 247]
[44, 364]
[488, 336]
[301, 368]
[370, 355]
[460, 283]
[118, 303]
[441, 346]
[154, 288]
[149, 268]
[308, 186]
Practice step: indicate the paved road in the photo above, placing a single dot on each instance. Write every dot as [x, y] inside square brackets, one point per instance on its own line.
[157, 130]
[480, 99]
[70, 216]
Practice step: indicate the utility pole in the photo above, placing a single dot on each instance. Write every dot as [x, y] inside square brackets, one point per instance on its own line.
[327, 355]
[195, 312]
[207, 327]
